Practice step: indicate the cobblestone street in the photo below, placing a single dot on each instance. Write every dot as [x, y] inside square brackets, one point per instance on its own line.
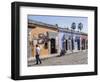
[68, 59]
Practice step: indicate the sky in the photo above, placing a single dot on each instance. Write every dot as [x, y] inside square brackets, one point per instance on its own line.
[62, 21]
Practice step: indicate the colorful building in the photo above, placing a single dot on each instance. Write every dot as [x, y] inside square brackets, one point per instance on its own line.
[52, 39]
[45, 35]
[72, 41]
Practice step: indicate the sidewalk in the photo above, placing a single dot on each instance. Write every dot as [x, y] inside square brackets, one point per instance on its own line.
[50, 56]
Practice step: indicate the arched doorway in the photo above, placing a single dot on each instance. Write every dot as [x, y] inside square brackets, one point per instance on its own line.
[83, 44]
[66, 44]
[72, 44]
[53, 46]
[78, 44]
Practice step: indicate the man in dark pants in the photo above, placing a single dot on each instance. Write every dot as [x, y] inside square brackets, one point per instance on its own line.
[37, 55]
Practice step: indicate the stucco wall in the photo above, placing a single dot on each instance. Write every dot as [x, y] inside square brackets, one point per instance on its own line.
[34, 33]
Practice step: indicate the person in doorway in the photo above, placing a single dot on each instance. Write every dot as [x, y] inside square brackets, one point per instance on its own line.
[37, 56]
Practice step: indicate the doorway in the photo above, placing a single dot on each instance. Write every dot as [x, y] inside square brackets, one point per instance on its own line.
[66, 44]
[78, 44]
[53, 46]
[83, 44]
[72, 44]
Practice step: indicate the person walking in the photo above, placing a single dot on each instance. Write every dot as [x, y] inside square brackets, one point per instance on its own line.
[37, 56]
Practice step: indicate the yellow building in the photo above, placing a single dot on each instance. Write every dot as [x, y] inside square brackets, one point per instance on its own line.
[45, 35]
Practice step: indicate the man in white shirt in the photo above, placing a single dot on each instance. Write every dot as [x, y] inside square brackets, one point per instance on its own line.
[37, 56]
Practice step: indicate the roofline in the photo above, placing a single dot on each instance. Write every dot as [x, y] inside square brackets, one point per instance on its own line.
[41, 24]
[50, 26]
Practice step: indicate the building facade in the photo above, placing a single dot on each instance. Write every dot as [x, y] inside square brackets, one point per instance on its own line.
[45, 35]
[52, 39]
[72, 41]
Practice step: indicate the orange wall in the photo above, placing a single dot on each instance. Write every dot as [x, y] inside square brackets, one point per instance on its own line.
[37, 30]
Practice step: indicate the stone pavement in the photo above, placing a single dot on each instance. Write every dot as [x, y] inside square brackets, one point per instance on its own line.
[68, 59]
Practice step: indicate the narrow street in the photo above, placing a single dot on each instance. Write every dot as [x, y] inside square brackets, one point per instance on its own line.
[68, 59]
